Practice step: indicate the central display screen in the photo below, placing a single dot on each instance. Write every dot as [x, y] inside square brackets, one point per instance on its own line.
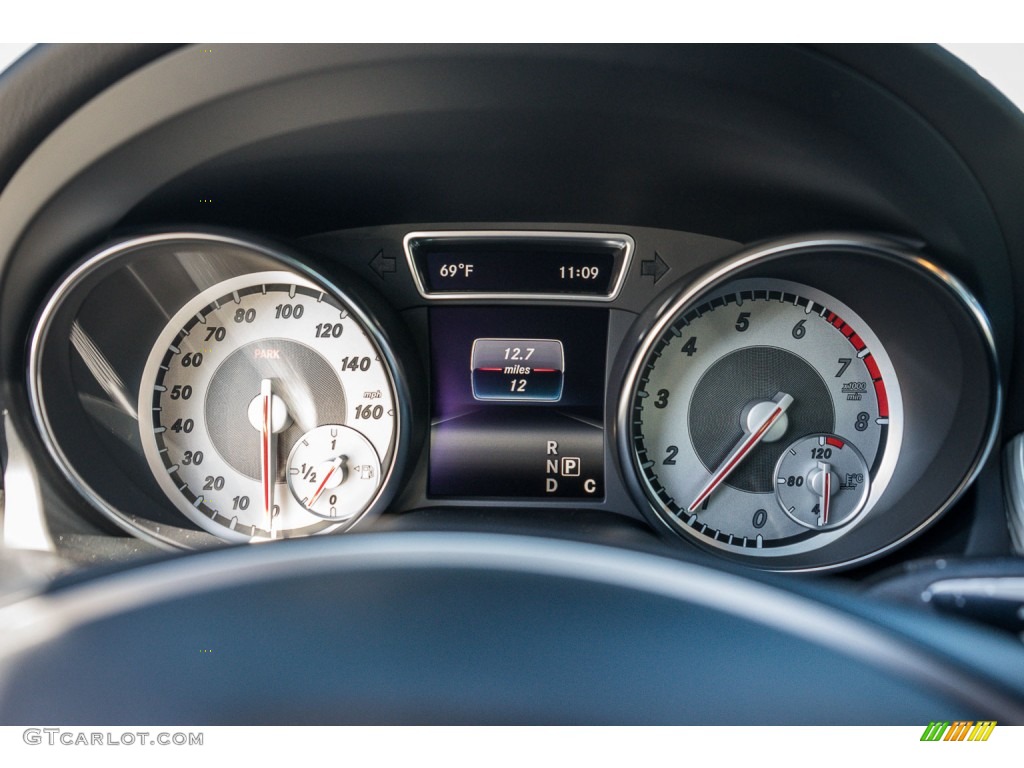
[518, 264]
[517, 402]
[565, 271]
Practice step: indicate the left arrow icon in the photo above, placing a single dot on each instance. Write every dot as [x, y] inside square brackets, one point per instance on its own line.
[381, 264]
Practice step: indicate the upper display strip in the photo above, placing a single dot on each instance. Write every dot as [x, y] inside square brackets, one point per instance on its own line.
[518, 265]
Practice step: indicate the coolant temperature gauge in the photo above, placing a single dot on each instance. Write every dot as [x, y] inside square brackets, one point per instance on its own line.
[333, 471]
[822, 481]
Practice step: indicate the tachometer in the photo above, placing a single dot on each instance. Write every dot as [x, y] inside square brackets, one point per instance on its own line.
[266, 409]
[765, 420]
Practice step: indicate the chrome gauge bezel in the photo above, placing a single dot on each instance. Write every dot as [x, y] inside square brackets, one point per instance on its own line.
[805, 541]
[796, 260]
[52, 331]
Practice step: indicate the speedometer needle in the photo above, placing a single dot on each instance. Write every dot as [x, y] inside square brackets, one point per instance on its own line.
[743, 447]
[268, 454]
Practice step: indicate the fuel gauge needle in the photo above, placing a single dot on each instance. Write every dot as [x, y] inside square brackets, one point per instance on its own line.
[268, 454]
[746, 444]
[335, 466]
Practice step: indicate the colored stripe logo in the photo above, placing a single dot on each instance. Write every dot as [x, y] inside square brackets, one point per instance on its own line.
[961, 730]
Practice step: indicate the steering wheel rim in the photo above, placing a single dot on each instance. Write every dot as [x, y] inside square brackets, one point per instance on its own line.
[429, 627]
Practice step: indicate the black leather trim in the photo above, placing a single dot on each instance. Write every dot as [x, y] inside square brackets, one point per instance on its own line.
[46, 85]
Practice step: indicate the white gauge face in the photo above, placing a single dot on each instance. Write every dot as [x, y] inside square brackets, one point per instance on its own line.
[239, 378]
[744, 379]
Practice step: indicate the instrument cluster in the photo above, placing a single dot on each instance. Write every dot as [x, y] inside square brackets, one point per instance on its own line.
[789, 405]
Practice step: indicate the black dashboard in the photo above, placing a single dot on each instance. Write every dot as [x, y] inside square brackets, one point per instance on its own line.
[754, 305]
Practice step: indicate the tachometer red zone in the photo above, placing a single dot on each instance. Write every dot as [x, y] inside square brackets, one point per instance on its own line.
[869, 361]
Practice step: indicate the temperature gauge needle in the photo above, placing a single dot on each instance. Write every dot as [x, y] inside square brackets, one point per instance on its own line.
[746, 444]
[826, 489]
[268, 454]
[335, 466]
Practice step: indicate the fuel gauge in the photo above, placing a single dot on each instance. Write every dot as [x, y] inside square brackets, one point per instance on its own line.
[333, 471]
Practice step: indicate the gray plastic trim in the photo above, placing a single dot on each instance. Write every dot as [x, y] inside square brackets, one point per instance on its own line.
[1013, 465]
[21, 501]
[1008, 588]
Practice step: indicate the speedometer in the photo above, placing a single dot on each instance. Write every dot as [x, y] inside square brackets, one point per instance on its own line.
[266, 410]
[766, 420]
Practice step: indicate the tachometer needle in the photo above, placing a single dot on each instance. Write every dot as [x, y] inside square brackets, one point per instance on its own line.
[743, 447]
[268, 453]
[335, 465]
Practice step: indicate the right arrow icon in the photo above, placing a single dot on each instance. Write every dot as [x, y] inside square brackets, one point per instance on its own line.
[655, 267]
